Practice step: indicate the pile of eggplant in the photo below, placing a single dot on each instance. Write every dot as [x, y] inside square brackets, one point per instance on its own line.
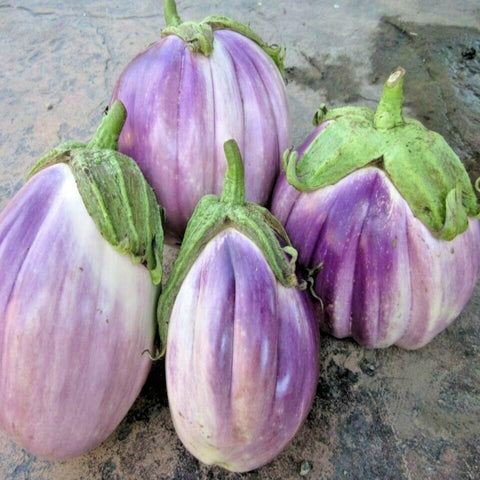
[369, 229]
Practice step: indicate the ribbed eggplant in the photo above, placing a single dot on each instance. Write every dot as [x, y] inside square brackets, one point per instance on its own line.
[80, 255]
[242, 351]
[189, 92]
[384, 216]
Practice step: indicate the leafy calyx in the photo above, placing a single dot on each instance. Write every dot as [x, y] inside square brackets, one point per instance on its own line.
[419, 162]
[115, 192]
[199, 36]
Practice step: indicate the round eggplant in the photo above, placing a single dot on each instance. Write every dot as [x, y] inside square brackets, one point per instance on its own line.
[384, 216]
[242, 350]
[188, 93]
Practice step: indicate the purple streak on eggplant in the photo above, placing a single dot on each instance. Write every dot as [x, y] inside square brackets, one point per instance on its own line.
[242, 357]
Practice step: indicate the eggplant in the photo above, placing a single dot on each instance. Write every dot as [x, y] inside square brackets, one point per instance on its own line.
[81, 261]
[242, 348]
[189, 92]
[385, 218]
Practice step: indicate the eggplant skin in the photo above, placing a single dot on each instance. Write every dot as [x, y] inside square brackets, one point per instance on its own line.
[183, 106]
[242, 357]
[385, 279]
[75, 317]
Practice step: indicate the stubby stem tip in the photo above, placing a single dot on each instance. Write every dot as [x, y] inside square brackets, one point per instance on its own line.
[395, 76]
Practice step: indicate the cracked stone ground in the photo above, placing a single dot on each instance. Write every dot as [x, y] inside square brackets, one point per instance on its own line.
[377, 414]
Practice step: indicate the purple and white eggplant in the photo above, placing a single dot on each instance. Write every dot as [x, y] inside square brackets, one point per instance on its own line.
[80, 256]
[198, 86]
[242, 351]
[382, 212]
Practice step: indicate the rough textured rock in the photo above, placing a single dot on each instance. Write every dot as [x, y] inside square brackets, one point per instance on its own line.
[386, 414]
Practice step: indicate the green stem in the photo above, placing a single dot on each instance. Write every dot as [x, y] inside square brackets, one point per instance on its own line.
[389, 110]
[170, 11]
[106, 136]
[234, 186]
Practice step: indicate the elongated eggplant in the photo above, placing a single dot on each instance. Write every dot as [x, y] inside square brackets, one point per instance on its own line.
[80, 255]
[242, 351]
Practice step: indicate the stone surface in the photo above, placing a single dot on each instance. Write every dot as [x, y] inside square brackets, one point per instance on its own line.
[386, 414]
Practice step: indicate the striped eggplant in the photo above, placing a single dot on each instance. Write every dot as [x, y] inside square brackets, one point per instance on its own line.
[384, 215]
[80, 255]
[188, 93]
[242, 350]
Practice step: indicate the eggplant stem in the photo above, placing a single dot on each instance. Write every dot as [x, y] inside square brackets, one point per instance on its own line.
[106, 136]
[389, 111]
[170, 12]
[234, 186]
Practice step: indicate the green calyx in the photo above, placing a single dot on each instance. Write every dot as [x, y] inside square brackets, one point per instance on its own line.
[419, 162]
[115, 192]
[199, 36]
[214, 214]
